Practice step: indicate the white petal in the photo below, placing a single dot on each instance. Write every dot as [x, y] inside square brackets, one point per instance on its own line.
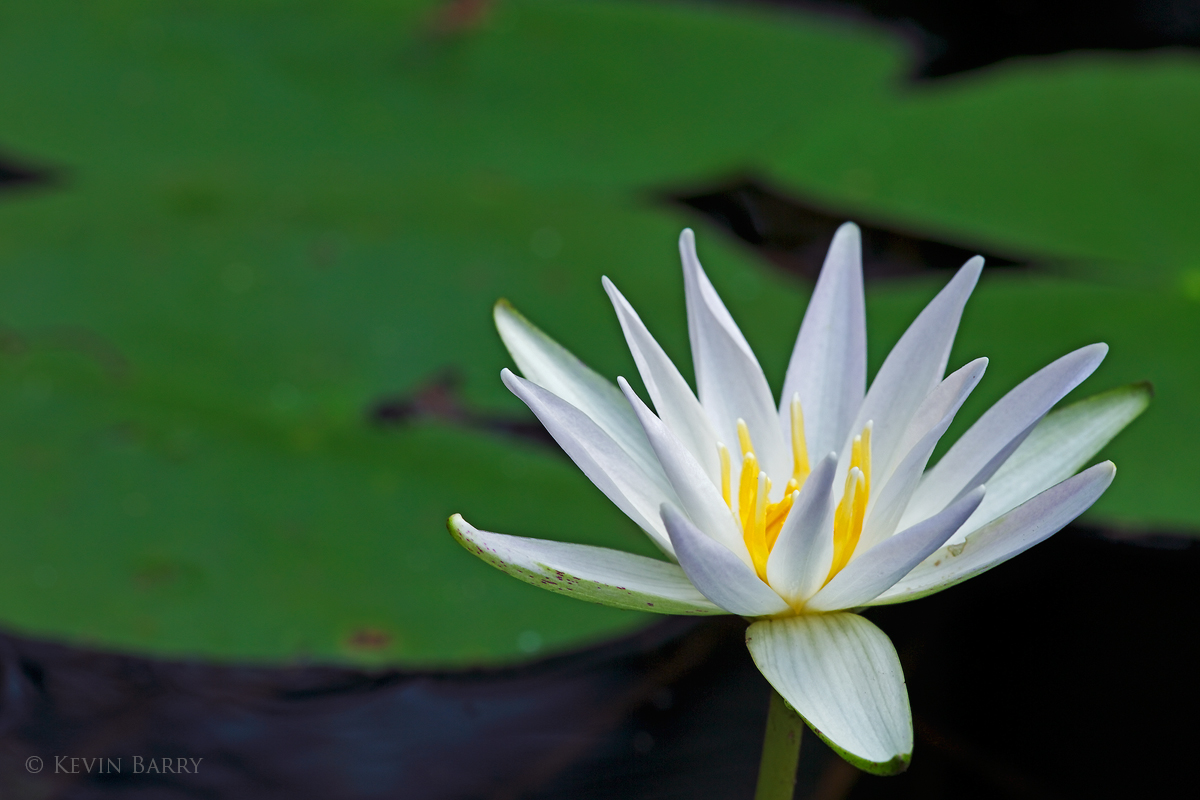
[842, 675]
[878, 569]
[551, 366]
[980, 451]
[717, 573]
[887, 503]
[945, 399]
[730, 381]
[1014, 533]
[697, 496]
[1062, 442]
[673, 399]
[600, 458]
[595, 574]
[800, 560]
[913, 368]
[828, 368]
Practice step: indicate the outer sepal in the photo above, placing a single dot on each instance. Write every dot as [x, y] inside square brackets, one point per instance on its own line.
[595, 574]
[841, 674]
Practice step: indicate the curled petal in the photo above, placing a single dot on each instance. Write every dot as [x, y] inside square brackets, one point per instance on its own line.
[596, 574]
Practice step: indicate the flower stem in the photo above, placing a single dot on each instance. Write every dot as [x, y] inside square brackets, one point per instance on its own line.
[781, 752]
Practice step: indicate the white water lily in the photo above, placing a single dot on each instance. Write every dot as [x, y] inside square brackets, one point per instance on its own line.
[792, 514]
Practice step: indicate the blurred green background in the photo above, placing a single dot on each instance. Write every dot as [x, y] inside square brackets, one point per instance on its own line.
[262, 219]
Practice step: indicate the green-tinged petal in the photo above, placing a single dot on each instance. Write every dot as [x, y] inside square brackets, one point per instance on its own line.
[842, 674]
[548, 364]
[1062, 443]
[1020, 529]
[596, 574]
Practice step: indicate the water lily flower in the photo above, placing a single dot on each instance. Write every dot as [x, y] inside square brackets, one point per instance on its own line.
[797, 513]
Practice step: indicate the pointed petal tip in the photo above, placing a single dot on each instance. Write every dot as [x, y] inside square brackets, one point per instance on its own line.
[503, 307]
[462, 531]
[687, 246]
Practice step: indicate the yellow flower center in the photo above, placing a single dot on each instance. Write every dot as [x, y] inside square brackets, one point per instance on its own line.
[761, 520]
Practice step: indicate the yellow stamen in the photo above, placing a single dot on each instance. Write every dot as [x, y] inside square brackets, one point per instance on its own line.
[865, 451]
[744, 438]
[777, 514]
[723, 452]
[747, 489]
[800, 468]
[845, 532]
[762, 521]
[756, 535]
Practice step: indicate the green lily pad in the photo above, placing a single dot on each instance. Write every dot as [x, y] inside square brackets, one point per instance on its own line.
[266, 219]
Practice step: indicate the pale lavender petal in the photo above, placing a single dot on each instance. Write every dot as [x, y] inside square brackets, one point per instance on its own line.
[800, 560]
[988, 443]
[1020, 529]
[720, 576]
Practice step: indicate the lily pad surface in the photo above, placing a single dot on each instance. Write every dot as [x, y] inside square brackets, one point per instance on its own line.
[261, 221]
